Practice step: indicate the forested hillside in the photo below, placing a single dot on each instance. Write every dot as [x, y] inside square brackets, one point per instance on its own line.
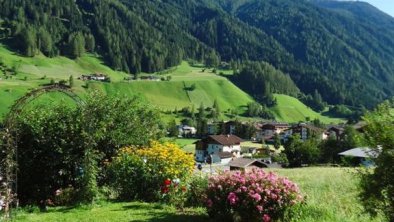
[340, 50]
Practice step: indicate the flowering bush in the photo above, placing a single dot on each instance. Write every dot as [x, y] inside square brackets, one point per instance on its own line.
[174, 192]
[138, 173]
[250, 196]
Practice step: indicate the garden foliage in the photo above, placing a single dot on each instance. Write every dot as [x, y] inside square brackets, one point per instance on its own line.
[61, 147]
[250, 196]
[378, 184]
[143, 173]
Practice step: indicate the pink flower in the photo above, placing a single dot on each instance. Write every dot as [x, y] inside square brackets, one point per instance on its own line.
[274, 196]
[259, 208]
[232, 198]
[266, 218]
[209, 203]
[256, 197]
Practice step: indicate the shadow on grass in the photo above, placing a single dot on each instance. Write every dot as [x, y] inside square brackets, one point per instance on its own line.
[162, 213]
[142, 207]
[175, 218]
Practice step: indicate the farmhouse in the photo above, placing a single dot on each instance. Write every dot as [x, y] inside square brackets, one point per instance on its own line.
[150, 78]
[95, 77]
[223, 147]
[186, 131]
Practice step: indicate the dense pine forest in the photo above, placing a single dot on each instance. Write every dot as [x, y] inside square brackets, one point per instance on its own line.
[338, 52]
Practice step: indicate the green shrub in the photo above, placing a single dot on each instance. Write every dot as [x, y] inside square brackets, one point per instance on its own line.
[76, 141]
[196, 190]
[280, 158]
[65, 196]
[378, 184]
[131, 178]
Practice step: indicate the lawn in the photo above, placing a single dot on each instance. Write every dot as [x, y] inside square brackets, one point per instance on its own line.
[331, 197]
[119, 212]
[187, 144]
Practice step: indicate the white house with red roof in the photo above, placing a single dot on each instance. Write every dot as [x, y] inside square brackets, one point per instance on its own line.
[223, 147]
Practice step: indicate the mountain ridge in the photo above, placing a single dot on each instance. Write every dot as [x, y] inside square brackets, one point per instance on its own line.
[331, 47]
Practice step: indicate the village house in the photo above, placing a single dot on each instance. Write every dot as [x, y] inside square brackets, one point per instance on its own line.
[187, 131]
[229, 127]
[95, 77]
[218, 148]
[212, 128]
[360, 126]
[266, 131]
[150, 78]
[335, 132]
[363, 155]
[307, 131]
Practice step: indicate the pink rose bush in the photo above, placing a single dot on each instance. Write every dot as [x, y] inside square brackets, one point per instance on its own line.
[250, 196]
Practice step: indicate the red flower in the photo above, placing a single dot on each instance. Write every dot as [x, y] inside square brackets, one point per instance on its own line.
[167, 182]
[165, 190]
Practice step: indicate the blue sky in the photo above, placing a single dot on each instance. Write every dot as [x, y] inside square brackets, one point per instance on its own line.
[384, 5]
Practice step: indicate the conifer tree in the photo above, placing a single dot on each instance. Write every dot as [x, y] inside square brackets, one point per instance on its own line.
[71, 81]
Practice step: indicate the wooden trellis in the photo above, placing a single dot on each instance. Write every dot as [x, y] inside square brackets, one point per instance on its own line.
[9, 147]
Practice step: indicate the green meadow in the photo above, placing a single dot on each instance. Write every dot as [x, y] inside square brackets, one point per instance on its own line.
[331, 196]
[27, 73]
[290, 109]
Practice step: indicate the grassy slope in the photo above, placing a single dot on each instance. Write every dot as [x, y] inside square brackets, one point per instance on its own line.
[290, 109]
[165, 95]
[35, 69]
[331, 197]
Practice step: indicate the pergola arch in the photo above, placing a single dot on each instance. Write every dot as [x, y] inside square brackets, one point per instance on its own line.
[9, 136]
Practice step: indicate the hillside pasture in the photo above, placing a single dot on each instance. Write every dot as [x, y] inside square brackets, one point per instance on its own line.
[26, 73]
[168, 95]
[290, 109]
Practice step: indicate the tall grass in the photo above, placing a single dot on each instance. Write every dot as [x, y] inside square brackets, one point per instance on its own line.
[331, 194]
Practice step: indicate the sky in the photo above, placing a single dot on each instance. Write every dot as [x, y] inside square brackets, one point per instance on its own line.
[386, 6]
